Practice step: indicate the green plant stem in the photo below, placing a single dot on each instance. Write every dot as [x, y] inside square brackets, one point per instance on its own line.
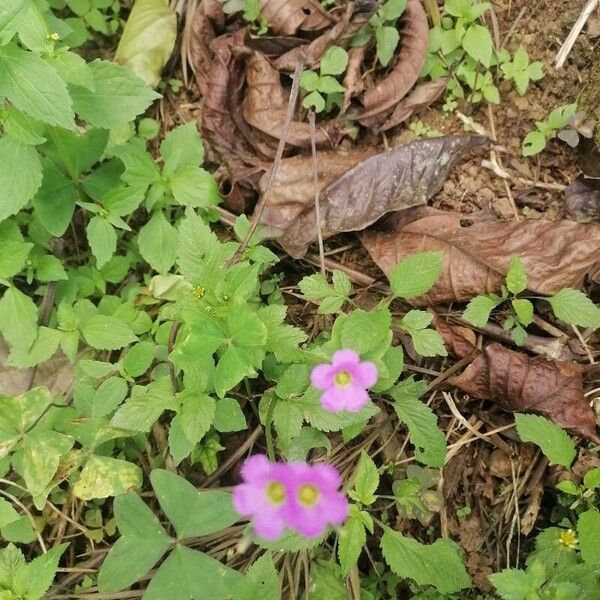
[269, 431]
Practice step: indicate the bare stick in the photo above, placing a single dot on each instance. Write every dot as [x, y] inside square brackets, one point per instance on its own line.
[260, 209]
[311, 121]
[588, 9]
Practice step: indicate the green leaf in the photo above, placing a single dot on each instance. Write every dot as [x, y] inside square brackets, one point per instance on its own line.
[416, 274]
[20, 175]
[148, 39]
[428, 439]
[182, 148]
[514, 584]
[366, 480]
[109, 396]
[191, 574]
[119, 97]
[387, 39]
[588, 530]
[158, 242]
[309, 81]
[235, 364]
[524, 310]
[34, 579]
[18, 318]
[261, 581]
[326, 581]
[554, 442]
[334, 61]
[35, 87]
[195, 187]
[478, 44]
[350, 544]
[330, 85]
[107, 333]
[140, 169]
[103, 476]
[72, 68]
[23, 128]
[575, 308]
[54, 202]
[192, 512]
[534, 143]
[479, 308]
[144, 541]
[102, 238]
[7, 514]
[229, 416]
[393, 9]
[138, 359]
[438, 564]
[191, 423]
[12, 257]
[317, 289]
[12, 13]
[314, 100]
[591, 479]
[516, 278]
[366, 332]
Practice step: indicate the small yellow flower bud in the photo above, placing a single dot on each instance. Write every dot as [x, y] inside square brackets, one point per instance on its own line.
[54, 37]
[568, 538]
[199, 291]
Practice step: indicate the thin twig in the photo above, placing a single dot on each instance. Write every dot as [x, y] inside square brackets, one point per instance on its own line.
[311, 121]
[260, 209]
[171, 344]
[587, 10]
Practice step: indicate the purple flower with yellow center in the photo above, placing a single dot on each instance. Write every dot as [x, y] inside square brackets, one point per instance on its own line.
[296, 495]
[344, 382]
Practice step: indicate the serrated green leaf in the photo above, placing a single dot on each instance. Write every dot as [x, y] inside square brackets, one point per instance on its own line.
[317, 289]
[575, 308]
[416, 274]
[478, 44]
[438, 564]
[554, 442]
[42, 349]
[261, 581]
[588, 530]
[229, 416]
[428, 439]
[479, 308]
[235, 364]
[35, 87]
[138, 359]
[102, 238]
[34, 579]
[148, 39]
[18, 318]
[107, 333]
[516, 278]
[366, 480]
[12, 257]
[72, 68]
[591, 479]
[20, 175]
[108, 396]
[103, 476]
[192, 512]
[524, 310]
[118, 98]
[158, 241]
[350, 543]
[182, 148]
[366, 332]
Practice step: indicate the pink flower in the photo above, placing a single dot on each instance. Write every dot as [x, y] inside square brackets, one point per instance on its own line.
[296, 495]
[344, 382]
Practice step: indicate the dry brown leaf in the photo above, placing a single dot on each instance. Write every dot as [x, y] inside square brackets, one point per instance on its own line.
[583, 199]
[56, 374]
[409, 63]
[288, 16]
[312, 52]
[265, 105]
[353, 81]
[477, 254]
[459, 341]
[519, 383]
[404, 176]
[421, 97]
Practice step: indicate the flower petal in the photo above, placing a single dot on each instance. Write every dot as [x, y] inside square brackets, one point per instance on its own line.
[335, 508]
[321, 376]
[356, 398]
[334, 399]
[326, 476]
[345, 357]
[268, 525]
[255, 466]
[367, 373]
[248, 499]
[309, 523]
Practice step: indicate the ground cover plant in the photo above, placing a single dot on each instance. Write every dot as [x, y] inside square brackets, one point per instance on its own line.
[297, 300]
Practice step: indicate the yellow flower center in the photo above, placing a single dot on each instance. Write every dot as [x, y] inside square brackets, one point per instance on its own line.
[569, 539]
[308, 495]
[199, 291]
[275, 492]
[343, 379]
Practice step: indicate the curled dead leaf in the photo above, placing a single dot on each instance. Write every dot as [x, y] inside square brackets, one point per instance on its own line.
[409, 63]
[477, 253]
[353, 81]
[519, 383]
[288, 16]
[265, 105]
[404, 176]
[421, 97]
[459, 341]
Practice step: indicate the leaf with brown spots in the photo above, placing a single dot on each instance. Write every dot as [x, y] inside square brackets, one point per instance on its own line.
[519, 383]
[409, 63]
[477, 252]
[404, 176]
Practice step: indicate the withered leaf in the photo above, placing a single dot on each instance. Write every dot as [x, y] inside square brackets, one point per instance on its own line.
[519, 383]
[288, 16]
[353, 82]
[459, 340]
[409, 63]
[477, 253]
[404, 176]
[583, 199]
[265, 105]
[421, 97]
